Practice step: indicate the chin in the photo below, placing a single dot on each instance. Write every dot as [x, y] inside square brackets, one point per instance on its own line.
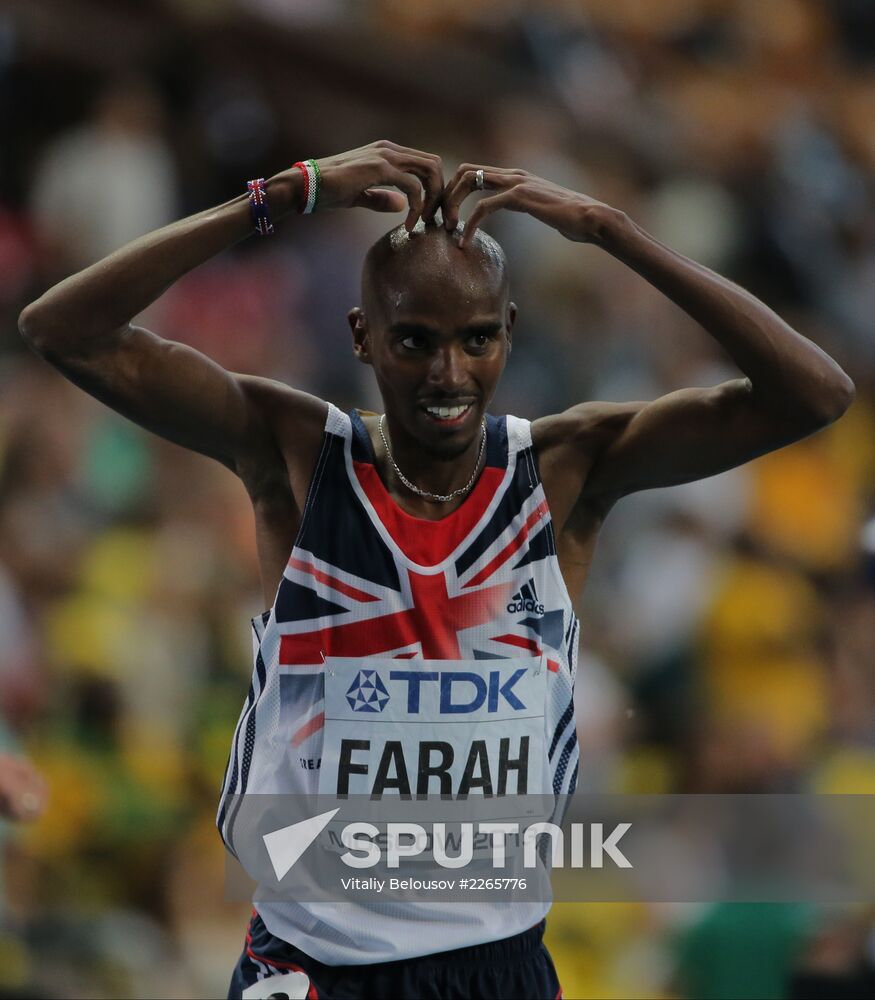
[449, 445]
[450, 449]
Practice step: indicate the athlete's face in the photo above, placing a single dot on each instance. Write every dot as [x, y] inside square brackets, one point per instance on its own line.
[437, 337]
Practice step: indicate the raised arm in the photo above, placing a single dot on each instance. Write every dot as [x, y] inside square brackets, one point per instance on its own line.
[83, 325]
[790, 386]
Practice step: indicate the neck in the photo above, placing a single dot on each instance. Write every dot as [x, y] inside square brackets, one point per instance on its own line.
[436, 474]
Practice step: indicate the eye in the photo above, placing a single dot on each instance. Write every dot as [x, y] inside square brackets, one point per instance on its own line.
[479, 341]
[413, 342]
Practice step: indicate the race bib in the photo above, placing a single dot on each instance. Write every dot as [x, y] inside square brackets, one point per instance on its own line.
[420, 728]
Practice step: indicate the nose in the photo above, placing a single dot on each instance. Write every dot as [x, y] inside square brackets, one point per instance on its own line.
[449, 369]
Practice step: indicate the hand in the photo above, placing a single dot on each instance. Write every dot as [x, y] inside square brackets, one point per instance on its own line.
[23, 790]
[351, 179]
[576, 216]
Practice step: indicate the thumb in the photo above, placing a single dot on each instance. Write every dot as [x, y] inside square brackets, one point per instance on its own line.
[381, 200]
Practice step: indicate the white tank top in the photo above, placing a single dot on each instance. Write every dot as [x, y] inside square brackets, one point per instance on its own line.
[367, 580]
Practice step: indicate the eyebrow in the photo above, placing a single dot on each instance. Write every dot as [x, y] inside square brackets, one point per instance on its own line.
[411, 328]
[488, 326]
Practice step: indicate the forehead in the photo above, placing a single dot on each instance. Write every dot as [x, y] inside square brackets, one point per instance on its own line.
[446, 283]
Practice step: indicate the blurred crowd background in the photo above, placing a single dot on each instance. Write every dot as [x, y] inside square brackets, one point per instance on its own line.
[729, 625]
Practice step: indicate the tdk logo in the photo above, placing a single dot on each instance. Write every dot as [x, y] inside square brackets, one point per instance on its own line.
[526, 599]
[367, 693]
[461, 691]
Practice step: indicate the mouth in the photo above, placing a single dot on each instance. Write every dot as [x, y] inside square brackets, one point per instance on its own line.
[448, 415]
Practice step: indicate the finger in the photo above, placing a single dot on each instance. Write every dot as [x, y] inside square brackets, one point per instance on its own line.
[381, 200]
[429, 170]
[417, 154]
[465, 182]
[428, 167]
[413, 189]
[506, 199]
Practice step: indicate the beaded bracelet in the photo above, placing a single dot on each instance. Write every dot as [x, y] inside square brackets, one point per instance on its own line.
[258, 207]
[312, 184]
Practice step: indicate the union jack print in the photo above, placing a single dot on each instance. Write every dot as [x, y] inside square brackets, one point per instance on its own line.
[366, 579]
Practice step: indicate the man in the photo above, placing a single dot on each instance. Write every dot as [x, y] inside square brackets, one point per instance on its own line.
[434, 532]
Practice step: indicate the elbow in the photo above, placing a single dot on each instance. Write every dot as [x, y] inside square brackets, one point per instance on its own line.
[43, 331]
[844, 395]
[32, 326]
[836, 399]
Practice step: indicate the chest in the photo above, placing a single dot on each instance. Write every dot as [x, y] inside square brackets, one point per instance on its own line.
[278, 521]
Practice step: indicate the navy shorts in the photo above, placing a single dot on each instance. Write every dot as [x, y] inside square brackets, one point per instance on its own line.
[514, 967]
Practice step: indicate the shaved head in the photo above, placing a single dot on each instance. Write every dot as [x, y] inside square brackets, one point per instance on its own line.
[399, 262]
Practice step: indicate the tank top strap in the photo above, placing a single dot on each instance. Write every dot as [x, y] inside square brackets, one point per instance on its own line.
[337, 422]
[519, 434]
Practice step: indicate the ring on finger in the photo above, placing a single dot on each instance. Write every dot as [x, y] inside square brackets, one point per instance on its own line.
[479, 179]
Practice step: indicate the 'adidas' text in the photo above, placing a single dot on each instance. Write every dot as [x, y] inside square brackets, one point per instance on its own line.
[526, 600]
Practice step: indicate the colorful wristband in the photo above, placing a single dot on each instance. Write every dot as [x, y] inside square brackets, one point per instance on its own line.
[312, 185]
[258, 207]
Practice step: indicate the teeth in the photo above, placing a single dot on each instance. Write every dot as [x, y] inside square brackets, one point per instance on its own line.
[447, 412]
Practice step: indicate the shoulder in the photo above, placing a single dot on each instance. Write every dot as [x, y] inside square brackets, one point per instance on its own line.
[287, 430]
[276, 401]
[569, 445]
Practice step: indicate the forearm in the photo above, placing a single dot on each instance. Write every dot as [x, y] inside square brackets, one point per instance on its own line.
[102, 299]
[784, 367]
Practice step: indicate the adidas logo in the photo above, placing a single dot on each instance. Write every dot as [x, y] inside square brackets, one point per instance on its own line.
[526, 599]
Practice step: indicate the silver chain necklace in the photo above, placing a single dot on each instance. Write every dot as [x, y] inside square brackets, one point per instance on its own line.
[425, 493]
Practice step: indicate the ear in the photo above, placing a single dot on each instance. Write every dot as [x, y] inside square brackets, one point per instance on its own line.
[509, 321]
[360, 339]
